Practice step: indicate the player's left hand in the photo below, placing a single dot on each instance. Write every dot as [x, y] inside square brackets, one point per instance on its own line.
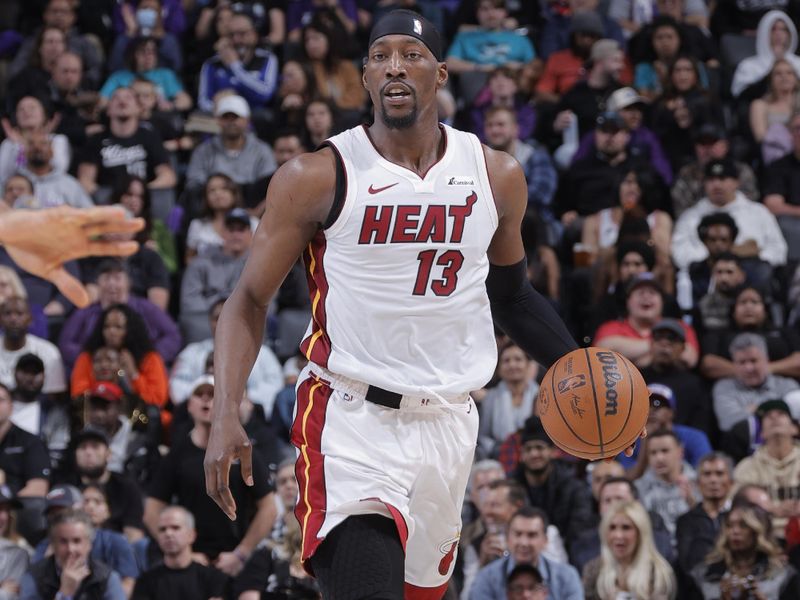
[41, 241]
[227, 442]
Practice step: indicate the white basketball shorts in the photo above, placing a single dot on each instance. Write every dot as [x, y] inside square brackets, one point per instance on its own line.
[410, 464]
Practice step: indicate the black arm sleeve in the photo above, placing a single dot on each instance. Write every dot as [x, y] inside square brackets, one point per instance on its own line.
[526, 316]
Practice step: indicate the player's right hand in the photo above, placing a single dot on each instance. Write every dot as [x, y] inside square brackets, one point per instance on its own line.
[227, 442]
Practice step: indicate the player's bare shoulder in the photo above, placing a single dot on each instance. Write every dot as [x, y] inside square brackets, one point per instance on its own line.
[507, 180]
[305, 185]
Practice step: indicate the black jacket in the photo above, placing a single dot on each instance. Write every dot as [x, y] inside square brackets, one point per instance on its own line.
[48, 581]
[565, 499]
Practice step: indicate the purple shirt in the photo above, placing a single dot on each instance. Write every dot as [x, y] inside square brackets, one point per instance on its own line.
[79, 326]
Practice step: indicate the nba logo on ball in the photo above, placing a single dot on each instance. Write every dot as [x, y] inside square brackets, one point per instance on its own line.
[593, 403]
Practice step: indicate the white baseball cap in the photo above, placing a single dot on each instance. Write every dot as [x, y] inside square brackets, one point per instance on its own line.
[623, 98]
[233, 104]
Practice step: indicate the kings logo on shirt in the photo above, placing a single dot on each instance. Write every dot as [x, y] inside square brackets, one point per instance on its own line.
[414, 223]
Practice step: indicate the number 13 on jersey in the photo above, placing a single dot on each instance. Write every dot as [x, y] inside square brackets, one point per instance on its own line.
[449, 260]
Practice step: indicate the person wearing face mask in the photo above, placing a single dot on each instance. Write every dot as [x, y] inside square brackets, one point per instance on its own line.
[50, 187]
[148, 18]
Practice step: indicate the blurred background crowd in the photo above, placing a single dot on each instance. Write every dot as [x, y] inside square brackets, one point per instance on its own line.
[661, 144]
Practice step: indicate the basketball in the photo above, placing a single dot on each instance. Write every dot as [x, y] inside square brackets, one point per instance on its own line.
[593, 403]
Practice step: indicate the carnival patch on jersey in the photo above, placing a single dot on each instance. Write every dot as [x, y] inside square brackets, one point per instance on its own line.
[461, 180]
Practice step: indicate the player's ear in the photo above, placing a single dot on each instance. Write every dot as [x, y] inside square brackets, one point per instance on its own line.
[364, 72]
[442, 76]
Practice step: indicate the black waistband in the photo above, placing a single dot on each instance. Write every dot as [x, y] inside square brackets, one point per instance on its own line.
[383, 397]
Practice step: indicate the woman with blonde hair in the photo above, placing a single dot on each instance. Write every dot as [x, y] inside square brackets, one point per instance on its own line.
[746, 562]
[629, 565]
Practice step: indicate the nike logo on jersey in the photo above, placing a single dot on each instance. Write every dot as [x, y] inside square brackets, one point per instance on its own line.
[374, 190]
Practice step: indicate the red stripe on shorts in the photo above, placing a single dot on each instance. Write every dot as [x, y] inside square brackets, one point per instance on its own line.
[412, 592]
[398, 518]
[312, 403]
[317, 346]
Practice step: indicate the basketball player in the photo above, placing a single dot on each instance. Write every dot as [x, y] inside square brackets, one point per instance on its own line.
[411, 230]
[41, 241]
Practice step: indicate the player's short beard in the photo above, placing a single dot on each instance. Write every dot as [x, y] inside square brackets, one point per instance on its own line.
[403, 122]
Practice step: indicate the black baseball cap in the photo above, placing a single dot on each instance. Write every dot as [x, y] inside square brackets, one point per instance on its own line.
[671, 325]
[90, 433]
[237, 215]
[722, 168]
[533, 430]
[63, 496]
[408, 22]
[525, 569]
[30, 363]
[640, 280]
[708, 133]
[773, 404]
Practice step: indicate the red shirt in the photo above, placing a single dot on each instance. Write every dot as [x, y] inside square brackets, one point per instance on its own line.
[625, 329]
[564, 69]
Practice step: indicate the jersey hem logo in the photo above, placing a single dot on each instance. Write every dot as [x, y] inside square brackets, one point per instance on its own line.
[373, 190]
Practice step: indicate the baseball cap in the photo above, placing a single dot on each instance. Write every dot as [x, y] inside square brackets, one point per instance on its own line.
[232, 104]
[63, 496]
[603, 49]
[533, 430]
[661, 396]
[7, 497]
[237, 215]
[722, 168]
[200, 381]
[105, 390]
[671, 325]
[640, 280]
[587, 21]
[623, 98]
[773, 404]
[709, 133]
[89, 433]
[30, 363]
[609, 121]
[525, 569]
[407, 22]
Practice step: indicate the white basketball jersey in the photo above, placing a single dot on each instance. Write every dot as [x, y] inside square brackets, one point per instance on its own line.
[398, 280]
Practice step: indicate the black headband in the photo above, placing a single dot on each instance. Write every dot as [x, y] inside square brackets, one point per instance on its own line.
[407, 22]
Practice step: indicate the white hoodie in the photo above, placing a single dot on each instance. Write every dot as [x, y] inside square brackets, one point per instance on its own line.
[755, 68]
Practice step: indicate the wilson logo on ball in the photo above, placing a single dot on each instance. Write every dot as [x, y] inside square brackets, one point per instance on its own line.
[611, 376]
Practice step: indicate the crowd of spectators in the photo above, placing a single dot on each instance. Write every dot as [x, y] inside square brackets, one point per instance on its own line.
[661, 144]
